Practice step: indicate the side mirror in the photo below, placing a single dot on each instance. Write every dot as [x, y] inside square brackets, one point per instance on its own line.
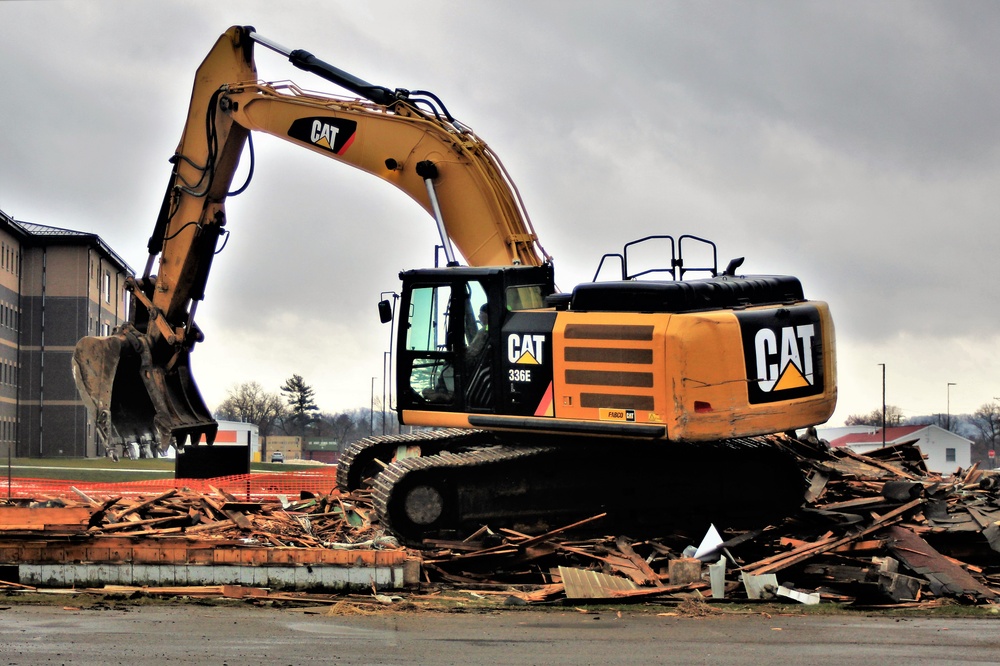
[385, 311]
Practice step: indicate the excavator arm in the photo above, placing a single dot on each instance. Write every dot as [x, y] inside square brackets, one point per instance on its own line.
[137, 382]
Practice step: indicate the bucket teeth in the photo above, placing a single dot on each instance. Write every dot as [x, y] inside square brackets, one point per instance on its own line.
[134, 398]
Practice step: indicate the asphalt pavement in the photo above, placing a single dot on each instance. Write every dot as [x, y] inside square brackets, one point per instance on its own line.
[243, 635]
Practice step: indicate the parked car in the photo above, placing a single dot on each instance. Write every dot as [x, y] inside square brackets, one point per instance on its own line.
[278, 456]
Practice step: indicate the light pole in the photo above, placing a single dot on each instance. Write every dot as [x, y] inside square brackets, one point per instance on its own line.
[947, 421]
[883, 404]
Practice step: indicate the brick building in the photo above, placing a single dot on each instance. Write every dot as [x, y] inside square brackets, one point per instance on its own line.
[56, 286]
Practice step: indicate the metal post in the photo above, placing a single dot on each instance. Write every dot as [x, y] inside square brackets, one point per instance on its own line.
[947, 421]
[883, 404]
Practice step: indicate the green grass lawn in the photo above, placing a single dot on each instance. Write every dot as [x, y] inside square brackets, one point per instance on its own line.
[105, 470]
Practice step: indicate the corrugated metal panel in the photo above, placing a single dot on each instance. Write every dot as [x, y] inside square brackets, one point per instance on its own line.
[584, 584]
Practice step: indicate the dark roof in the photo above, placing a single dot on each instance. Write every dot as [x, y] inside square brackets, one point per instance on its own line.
[41, 234]
[42, 230]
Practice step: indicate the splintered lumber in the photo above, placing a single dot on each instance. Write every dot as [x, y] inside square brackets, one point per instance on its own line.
[548, 535]
[135, 508]
[89, 500]
[118, 527]
[896, 470]
[648, 592]
[650, 576]
[321, 522]
[783, 560]
[946, 577]
[861, 514]
[54, 520]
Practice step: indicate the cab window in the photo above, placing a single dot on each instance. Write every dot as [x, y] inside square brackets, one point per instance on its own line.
[428, 319]
[525, 297]
[432, 375]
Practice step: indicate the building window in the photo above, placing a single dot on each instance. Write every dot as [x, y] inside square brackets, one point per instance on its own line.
[949, 455]
[107, 286]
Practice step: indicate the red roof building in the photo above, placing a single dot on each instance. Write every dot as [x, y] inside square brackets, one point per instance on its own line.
[944, 451]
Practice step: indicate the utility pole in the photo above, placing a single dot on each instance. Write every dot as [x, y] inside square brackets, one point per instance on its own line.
[883, 404]
[948, 419]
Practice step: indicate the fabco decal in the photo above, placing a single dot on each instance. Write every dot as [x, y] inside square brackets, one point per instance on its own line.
[783, 349]
[332, 134]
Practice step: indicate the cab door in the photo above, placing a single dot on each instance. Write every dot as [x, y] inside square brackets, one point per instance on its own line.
[428, 351]
[446, 352]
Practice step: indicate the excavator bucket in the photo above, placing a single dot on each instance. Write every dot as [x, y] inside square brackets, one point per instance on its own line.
[133, 399]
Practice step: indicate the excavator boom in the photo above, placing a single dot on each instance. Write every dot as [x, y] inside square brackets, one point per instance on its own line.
[137, 382]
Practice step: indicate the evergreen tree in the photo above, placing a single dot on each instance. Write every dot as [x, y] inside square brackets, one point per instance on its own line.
[302, 408]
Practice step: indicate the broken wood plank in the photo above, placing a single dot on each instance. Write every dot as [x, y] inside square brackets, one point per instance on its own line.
[651, 577]
[142, 505]
[548, 535]
[781, 561]
[946, 577]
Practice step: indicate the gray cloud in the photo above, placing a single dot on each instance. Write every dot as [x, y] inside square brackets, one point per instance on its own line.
[853, 144]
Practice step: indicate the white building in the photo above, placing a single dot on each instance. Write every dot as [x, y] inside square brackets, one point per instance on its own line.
[238, 432]
[944, 451]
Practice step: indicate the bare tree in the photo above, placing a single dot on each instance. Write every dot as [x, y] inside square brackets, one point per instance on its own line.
[893, 417]
[352, 425]
[344, 429]
[986, 419]
[250, 403]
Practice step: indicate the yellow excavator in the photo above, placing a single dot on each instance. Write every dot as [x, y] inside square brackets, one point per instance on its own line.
[652, 398]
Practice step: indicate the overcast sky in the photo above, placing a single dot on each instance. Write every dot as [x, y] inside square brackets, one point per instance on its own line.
[853, 144]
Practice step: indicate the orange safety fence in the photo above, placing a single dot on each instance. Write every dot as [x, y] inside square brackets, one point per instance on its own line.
[248, 487]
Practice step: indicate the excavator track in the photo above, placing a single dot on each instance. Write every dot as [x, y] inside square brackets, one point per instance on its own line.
[365, 458]
[447, 493]
[542, 483]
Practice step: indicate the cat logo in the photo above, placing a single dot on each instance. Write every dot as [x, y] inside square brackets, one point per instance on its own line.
[525, 349]
[783, 349]
[787, 363]
[332, 134]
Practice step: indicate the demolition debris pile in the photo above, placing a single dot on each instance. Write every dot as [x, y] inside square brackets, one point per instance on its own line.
[876, 529]
[216, 516]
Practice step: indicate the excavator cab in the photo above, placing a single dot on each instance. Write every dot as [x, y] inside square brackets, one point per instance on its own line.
[451, 331]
